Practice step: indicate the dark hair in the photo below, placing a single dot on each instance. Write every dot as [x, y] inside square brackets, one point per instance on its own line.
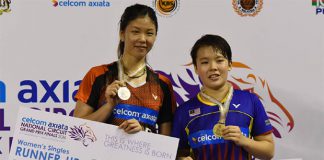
[217, 42]
[130, 14]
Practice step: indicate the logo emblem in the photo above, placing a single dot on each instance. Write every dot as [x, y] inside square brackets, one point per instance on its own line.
[166, 8]
[154, 96]
[5, 6]
[236, 105]
[55, 3]
[80, 3]
[194, 140]
[83, 133]
[247, 7]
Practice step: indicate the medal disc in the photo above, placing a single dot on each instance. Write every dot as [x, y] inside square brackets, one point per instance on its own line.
[218, 129]
[124, 93]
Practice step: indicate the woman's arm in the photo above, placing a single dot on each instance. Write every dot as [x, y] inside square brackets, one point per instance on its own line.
[260, 146]
[165, 128]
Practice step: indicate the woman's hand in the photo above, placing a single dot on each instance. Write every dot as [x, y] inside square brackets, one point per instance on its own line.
[234, 134]
[131, 126]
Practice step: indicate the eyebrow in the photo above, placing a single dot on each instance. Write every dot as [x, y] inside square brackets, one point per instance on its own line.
[217, 56]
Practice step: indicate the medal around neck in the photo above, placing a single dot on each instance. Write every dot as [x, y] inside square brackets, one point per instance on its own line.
[124, 93]
[223, 109]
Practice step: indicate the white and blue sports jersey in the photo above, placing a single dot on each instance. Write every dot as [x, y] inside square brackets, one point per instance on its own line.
[194, 121]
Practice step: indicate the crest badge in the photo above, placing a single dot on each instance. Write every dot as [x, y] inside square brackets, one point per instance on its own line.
[247, 7]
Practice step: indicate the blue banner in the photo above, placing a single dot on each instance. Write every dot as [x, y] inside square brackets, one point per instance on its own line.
[205, 137]
[142, 114]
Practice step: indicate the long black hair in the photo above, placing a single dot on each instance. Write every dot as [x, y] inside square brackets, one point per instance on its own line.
[130, 14]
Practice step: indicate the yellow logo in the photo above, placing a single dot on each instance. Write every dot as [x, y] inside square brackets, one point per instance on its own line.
[166, 7]
[5, 6]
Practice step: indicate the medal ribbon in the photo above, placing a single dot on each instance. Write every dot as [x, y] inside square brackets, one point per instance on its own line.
[121, 70]
[222, 108]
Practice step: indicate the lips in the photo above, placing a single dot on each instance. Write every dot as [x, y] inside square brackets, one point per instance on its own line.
[214, 76]
[141, 47]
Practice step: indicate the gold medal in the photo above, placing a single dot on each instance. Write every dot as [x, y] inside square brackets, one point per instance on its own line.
[218, 128]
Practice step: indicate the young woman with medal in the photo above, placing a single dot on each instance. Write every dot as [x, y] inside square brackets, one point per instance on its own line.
[127, 92]
[220, 122]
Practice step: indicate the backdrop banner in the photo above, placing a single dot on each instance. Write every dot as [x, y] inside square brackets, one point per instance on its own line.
[47, 47]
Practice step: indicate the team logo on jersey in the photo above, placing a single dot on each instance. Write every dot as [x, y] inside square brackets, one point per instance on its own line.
[187, 85]
[155, 97]
[194, 139]
[5, 6]
[83, 133]
[247, 7]
[236, 105]
[166, 8]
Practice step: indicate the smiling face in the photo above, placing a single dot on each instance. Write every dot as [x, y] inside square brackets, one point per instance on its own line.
[139, 37]
[212, 68]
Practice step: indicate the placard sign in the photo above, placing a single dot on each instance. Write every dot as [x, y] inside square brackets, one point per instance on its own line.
[47, 136]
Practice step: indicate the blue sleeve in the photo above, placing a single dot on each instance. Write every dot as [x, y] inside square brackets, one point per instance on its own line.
[178, 128]
[261, 122]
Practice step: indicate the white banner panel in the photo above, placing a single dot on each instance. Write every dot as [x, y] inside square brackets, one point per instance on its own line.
[42, 135]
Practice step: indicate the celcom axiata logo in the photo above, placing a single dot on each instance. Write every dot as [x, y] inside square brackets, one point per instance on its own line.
[166, 8]
[55, 3]
[2, 92]
[80, 3]
[5, 6]
[241, 77]
[247, 7]
[83, 133]
[319, 4]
